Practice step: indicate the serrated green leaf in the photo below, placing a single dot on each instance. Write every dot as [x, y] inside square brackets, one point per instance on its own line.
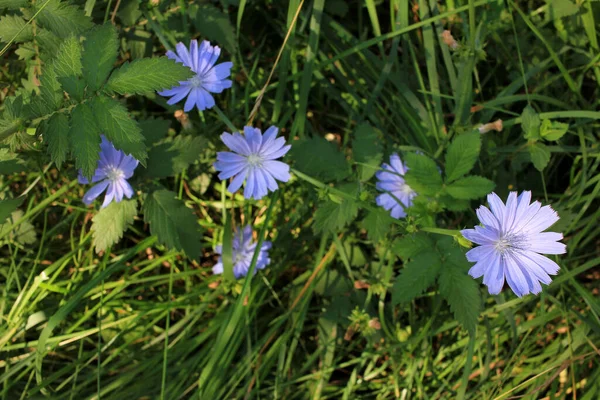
[319, 158]
[377, 223]
[7, 206]
[416, 276]
[111, 222]
[214, 25]
[147, 75]
[12, 4]
[57, 137]
[114, 121]
[540, 155]
[24, 233]
[462, 294]
[62, 19]
[367, 150]
[172, 222]
[74, 86]
[154, 129]
[530, 123]
[84, 136]
[99, 55]
[462, 155]
[553, 130]
[332, 217]
[470, 187]
[68, 58]
[423, 175]
[50, 97]
[170, 158]
[48, 44]
[411, 245]
[10, 27]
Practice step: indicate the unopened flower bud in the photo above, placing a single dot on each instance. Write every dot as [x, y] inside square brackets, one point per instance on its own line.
[491, 126]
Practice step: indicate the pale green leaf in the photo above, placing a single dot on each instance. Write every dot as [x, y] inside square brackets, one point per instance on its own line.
[540, 155]
[172, 222]
[416, 276]
[462, 293]
[423, 175]
[470, 187]
[147, 75]
[68, 59]
[367, 150]
[462, 155]
[57, 137]
[109, 224]
[553, 130]
[12, 26]
[530, 123]
[319, 158]
[84, 136]
[62, 18]
[24, 233]
[99, 55]
[120, 129]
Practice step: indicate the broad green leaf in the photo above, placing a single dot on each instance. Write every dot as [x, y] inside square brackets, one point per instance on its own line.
[109, 224]
[540, 155]
[99, 55]
[214, 25]
[412, 245]
[11, 25]
[170, 158]
[462, 155]
[423, 175]
[154, 129]
[147, 75]
[530, 123]
[172, 222]
[68, 59]
[84, 135]
[462, 293]
[553, 130]
[416, 276]
[13, 4]
[562, 8]
[114, 121]
[7, 207]
[377, 223]
[367, 150]
[470, 187]
[332, 217]
[24, 233]
[57, 137]
[319, 158]
[62, 18]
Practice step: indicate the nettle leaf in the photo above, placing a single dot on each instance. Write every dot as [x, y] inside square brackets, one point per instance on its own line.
[332, 216]
[57, 137]
[62, 18]
[416, 276]
[7, 206]
[530, 123]
[99, 55]
[540, 155]
[214, 25]
[111, 222]
[553, 130]
[367, 150]
[377, 223]
[462, 155]
[10, 25]
[170, 158]
[411, 245]
[462, 293]
[172, 222]
[84, 135]
[471, 187]
[114, 121]
[423, 175]
[68, 59]
[147, 75]
[13, 4]
[319, 158]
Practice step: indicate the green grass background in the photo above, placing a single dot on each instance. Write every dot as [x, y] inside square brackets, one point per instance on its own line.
[140, 321]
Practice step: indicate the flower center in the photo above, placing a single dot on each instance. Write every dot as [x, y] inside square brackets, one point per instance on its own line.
[254, 160]
[510, 242]
[196, 81]
[405, 189]
[114, 174]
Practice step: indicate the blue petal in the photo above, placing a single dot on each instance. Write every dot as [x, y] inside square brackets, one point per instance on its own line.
[110, 195]
[279, 170]
[237, 181]
[94, 192]
[250, 183]
[236, 142]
